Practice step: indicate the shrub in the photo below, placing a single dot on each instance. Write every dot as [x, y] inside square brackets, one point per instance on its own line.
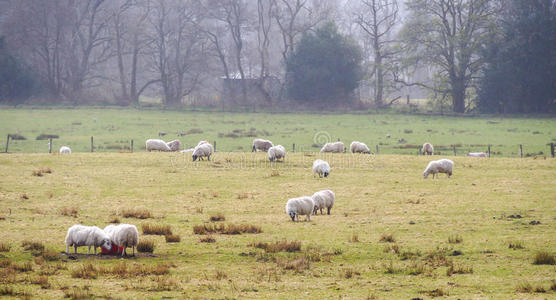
[156, 229]
[136, 213]
[145, 246]
[544, 258]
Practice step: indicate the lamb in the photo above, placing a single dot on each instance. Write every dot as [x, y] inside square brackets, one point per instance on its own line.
[201, 151]
[276, 152]
[477, 154]
[261, 145]
[158, 145]
[65, 150]
[323, 199]
[79, 235]
[427, 149]
[321, 167]
[336, 147]
[439, 166]
[174, 145]
[359, 147]
[300, 206]
[123, 235]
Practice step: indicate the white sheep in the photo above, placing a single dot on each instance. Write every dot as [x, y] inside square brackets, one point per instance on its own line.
[427, 149]
[203, 150]
[359, 147]
[261, 145]
[193, 149]
[174, 145]
[123, 235]
[300, 206]
[79, 235]
[336, 147]
[202, 142]
[321, 167]
[439, 166]
[477, 154]
[323, 199]
[156, 144]
[65, 150]
[276, 153]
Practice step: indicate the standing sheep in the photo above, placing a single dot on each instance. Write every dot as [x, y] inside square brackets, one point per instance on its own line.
[123, 235]
[261, 145]
[427, 149]
[79, 235]
[65, 150]
[201, 151]
[158, 145]
[477, 154]
[439, 166]
[323, 199]
[300, 206]
[336, 147]
[276, 152]
[174, 145]
[359, 147]
[321, 167]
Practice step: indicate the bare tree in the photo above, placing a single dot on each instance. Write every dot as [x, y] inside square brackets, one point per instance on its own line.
[377, 19]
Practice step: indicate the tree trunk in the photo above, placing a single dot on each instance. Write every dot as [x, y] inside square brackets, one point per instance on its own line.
[458, 97]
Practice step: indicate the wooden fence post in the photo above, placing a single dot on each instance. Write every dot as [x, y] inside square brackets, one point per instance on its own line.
[551, 149]
[376, 149]
[7, 143]
[488, 150]
[131, 146]
[49, 145]
[521, 150]
[455, 154]
[293, 147]
[214, 146]
[92, 144]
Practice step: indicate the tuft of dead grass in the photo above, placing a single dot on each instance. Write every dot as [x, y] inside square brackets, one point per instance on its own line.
[354, 239]
[145, 246]
[76, 293]
[350, 273]
[458, 269]
[34, 247]
[208, 239]
[298, 264]
[5, 247]
[387, 238]
[85, 271]
[41, 280]
[50, 255]
[544, 258]
[40, 172]
[515, 245]
[281, 246]
[114, 220]
[172, 238]
[156, 229]
[455, 239]
[217, 217]
[136, 213]
[69, 211]
[230, 229]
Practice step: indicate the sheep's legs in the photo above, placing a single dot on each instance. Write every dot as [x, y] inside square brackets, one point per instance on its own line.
[308, 218]
[208, 158]
[75, 249]
[67, 249]
[95, 248]
[328, 210]
[133, 248]
[88, 249]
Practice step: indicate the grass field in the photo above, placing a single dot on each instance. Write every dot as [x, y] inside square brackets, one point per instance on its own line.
[113, 129]
[391, 234]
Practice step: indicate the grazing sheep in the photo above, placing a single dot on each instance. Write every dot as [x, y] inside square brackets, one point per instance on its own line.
[123, 235]
[439, 166]
[79, 235]
[359, 147]
[202, 151]
[202, 142]
[335, 147]
[261, 145]
[300, 206]
[321, 167]
[174, 145]
[427, 149]
[276, 152]
[477, 154]
[323, 199]
[158, 145]
[65, 150]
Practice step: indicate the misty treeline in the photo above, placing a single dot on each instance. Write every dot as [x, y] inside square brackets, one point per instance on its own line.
[469, 55]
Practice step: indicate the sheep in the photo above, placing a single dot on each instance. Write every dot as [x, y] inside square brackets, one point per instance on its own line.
[427, 149]
[261, 145]
[79, 235]
[321, 167]
[65, 150]
[202, 151]
[477, 154]
[323, 199]
[439, 166]
[276, 152]
[123, 235]
[174, 145]
[336, 147]
[359, 147]
[155, 144]
[202, 142]
[300, 206]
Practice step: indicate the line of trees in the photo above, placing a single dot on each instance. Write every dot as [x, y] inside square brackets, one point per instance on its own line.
[475, 55]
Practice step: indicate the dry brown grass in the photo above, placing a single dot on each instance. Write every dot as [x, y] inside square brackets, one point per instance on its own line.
[5, 247]
[76, 293]
[281, 246]
[528, 288]
[387, 238]
[455, 239]
[458, 269]
[354, 239]
[85, 271]
[226, 229]
[24, 197]
[42, 281]
[217, 217]
[544, 258]
[69, 211]
[242, 196]
[114, 220]
[145, 246]
[40, 172]
[439, 292]
[207, 239]
[553, 285]
[172, 238]
[298, 264]
[34, 247]
[392, 249]
[136, 213]
[350, 273]
[515, 245]
[220, 275]
[50, 255]
[156, 229]
[125, 270]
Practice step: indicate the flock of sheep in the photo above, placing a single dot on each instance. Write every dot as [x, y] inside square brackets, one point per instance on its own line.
[121, 236]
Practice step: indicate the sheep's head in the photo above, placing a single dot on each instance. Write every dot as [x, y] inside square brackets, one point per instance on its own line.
[194, 157]
[253, 149]
[326, 174]
[106, 244]
[425, 174]
[315, 208]
[292, 215]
